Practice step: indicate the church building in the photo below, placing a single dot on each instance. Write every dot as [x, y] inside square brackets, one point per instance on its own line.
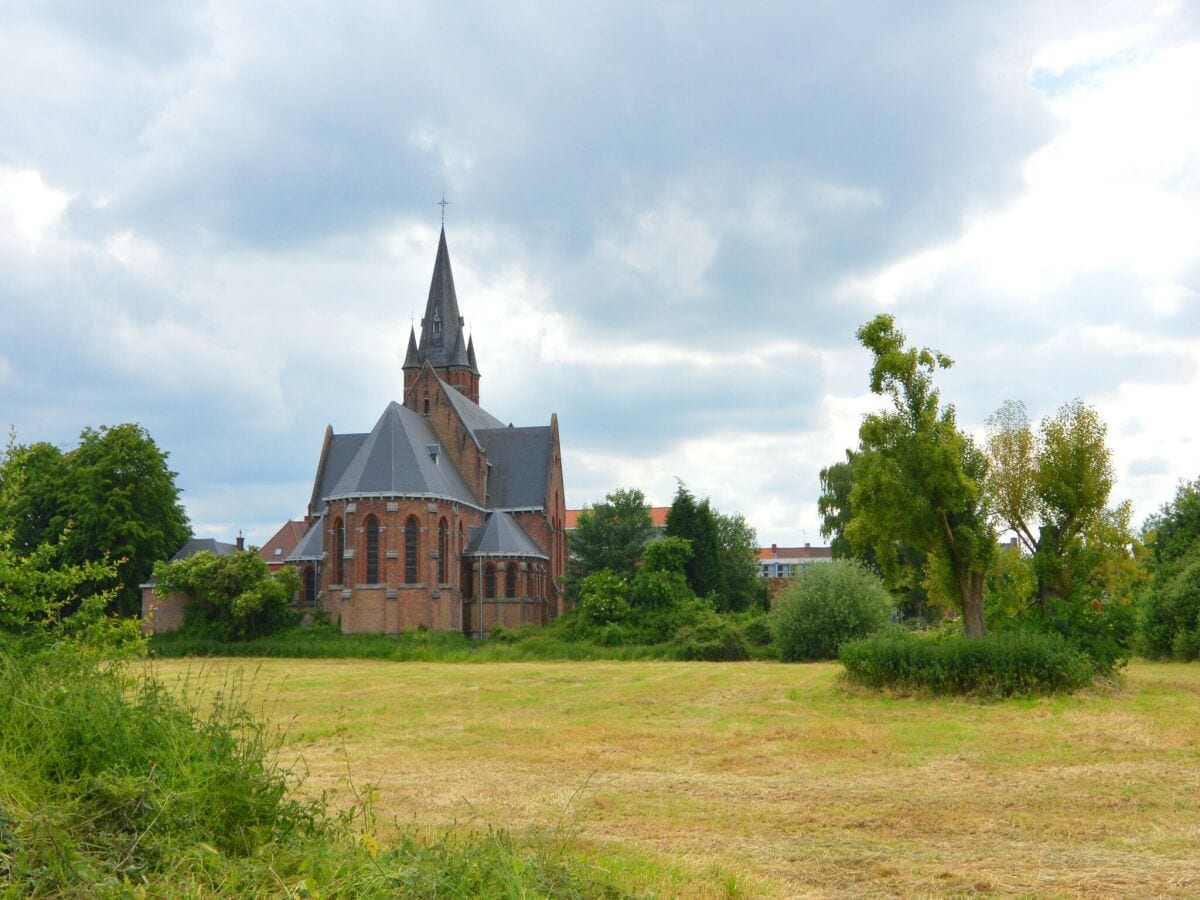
[441, 515]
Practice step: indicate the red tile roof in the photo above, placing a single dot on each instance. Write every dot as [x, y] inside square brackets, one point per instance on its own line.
[284, 540]
[658, 515]
[805, 552]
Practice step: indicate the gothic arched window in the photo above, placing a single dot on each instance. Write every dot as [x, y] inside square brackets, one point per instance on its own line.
[510, 580]
[411, 546]
[372, 554]
[310, 586]
[489, 581]
[443, 552]
[339, 552]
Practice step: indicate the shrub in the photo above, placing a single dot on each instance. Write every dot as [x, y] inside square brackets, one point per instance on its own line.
[756, 629]
[999, 664]
[1170, 614]
[826, 605]
[604, 598]
[711, 637]
[231, 597]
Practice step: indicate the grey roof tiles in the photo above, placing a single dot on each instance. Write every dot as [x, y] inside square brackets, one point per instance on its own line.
[441, 326]
[309, 547]
[500, 535]
[395, 460]
[520, 459]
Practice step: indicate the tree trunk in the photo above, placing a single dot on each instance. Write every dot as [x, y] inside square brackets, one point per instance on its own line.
[973, 605]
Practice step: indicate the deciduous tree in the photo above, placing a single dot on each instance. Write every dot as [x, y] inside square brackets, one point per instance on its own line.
[918, 479]
[1051, 489]
[610, 535]
[739, 561]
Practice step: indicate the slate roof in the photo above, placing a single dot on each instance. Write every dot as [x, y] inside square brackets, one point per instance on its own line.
[395, 460]
[342, 448]
[201, 545]
[309, 547]
[441, 326]
[474, 416]
[500, 535]
[520, 459]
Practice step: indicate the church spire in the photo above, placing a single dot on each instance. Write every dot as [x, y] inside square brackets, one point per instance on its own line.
[442, 344]
[441, 326]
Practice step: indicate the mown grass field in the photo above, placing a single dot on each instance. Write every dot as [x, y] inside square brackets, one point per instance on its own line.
[774, 774]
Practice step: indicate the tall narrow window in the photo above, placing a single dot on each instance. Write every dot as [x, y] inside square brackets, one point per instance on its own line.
[310, 586]
[372, 535]
[489, 581]
[510, 580]
[410, 551]
[339, 552]
[443, 552]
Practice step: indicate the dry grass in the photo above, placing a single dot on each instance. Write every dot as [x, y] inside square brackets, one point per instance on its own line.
[773, 772]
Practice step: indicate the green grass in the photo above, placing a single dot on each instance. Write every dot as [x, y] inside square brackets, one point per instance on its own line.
[685, 779]
[325, 642]
[112, 786]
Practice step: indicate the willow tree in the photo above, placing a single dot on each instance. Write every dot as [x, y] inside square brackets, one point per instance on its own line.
[917, 477]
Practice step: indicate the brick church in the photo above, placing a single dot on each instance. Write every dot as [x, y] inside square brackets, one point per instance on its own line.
[441, 515]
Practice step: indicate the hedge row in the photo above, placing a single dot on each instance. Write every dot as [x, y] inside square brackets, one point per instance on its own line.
[1000, 664]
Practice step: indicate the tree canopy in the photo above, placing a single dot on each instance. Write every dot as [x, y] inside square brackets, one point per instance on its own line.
[1051, 488]
[917, 477]
[610, 535]
[695, 522]
[112, 497]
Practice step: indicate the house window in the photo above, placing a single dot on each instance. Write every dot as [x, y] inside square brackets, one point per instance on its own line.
[339, 552]
[510, 580]
[410, 551]
[372, 530]
[489, 581]
[443, 552]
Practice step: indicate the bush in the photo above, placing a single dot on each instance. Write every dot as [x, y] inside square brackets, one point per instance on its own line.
[756, 629]
[1170, 614]
[826, 605]
[999, 664]
[711, 637]
[604, 598]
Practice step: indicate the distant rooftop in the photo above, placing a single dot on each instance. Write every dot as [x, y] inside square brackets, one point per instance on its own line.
[658, 515]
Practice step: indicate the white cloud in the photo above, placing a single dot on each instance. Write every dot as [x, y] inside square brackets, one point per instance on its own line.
[667, 244]
[29, 208]
[1117, 189]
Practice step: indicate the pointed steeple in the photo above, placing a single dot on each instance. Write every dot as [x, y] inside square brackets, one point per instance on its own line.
[441, 326]
[458, 356]
[471, 355]
[412, 359]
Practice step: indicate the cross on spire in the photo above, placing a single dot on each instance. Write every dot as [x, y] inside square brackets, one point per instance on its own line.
[443, 204]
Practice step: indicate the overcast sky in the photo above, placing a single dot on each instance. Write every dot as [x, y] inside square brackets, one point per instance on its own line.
[666, 223]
